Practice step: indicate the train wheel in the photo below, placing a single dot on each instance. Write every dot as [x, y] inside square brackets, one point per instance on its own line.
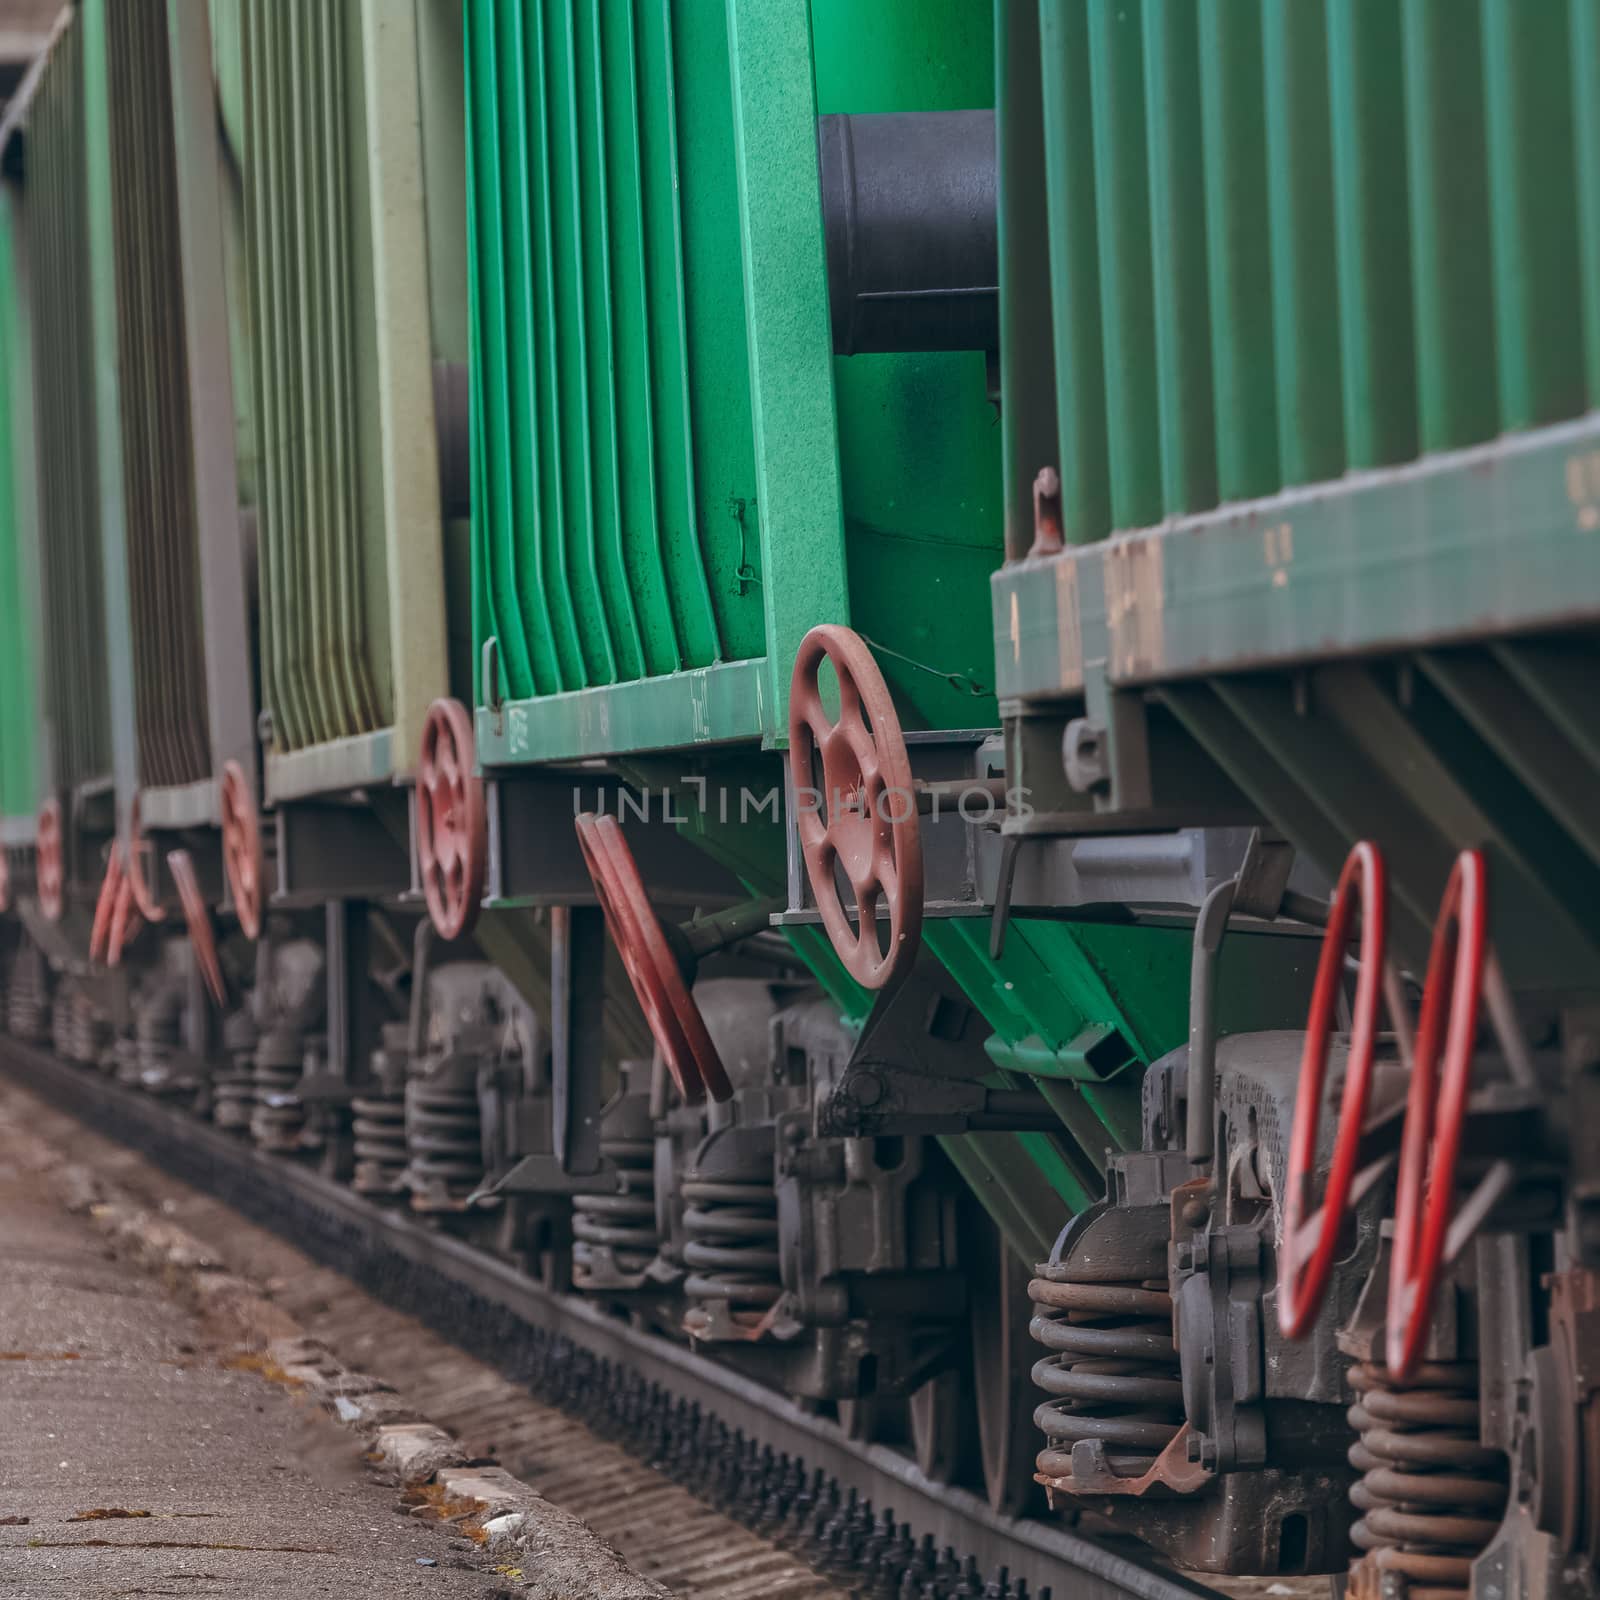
[241, 848]
[452, 820]
[941, 1414]
[864, 819]
[859, 1418]
[1003, 1354]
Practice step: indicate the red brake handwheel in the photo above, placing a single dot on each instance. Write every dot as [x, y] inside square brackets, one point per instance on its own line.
[242, 858]
[5, 880]
[864, 819]
[105, 906]
[198, 918]
[125, 922]
[1436, 1111]
[150, 908]
[1303, 1280]
[670, 1008]
[452, 820]
[50, 878]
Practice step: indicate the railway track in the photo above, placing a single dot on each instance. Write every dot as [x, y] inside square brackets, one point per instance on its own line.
[719, 1488]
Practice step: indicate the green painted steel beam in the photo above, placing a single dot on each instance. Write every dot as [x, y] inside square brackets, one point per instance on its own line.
[107, 402]
[799, 497]
[226, 584]
[680, 710]
[1479, 543]
[408, 446]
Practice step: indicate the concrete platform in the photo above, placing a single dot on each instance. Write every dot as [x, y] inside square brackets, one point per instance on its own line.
[113, 1398]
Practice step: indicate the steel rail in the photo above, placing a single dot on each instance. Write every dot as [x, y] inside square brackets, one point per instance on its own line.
[257, 1183]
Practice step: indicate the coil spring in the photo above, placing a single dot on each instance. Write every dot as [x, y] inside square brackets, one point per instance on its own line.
[277, 1116]
[125, 1057]
[1431, 1496]
[1113, 1371]
[26, 997]
[444, 1141]
[233, 1086]
[623, 1224]
[156, 1042]
[732, 1248]
[78, 1031]
[379, 1127]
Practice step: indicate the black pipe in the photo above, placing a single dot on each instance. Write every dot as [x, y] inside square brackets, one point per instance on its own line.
[908, 207]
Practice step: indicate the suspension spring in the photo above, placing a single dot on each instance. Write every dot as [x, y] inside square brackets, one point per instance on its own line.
[277, 1117]
[1112, 1373]
[157, 1039]
[27, 995]
[1431, 1496]
[78, 1031]
[444, 1141]
[233, 1086]
[617, 1231]
[732, 1249]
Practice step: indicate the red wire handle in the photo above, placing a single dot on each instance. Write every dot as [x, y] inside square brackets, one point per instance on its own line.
[1436, 1110]
[1303, 1282]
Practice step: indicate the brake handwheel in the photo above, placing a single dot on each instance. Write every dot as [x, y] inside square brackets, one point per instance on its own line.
[1303, 1278]
[150, 908]
[452, 820]
[5, 880]
[50, 877]
[105, 906]
[1436, 1108]
[125, 920]
[676, 1023]
[242, 857]
[862, 820]
[202, 937]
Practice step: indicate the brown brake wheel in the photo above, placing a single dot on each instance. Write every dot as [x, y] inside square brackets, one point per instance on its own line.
[125, 922]
[50, 877]
[150, 908]
[452, 820]
[5, 880]
[670, 1008]
[105, 906]
[241, 848]
[861, 819]
[198, 917]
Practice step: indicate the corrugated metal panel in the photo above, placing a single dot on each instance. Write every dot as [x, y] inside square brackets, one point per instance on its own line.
[69, 502]
[614, 473]
[325, 647]
[19, 719]
[158, 470]
[1397, 206]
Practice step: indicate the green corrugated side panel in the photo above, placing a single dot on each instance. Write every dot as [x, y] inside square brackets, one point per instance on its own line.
[325, 647]
[442, 86]
[160, 525]
[19, 718]
[227, 54]
[919, 444]
[74, 646]
[1401, 238]
[614, 503]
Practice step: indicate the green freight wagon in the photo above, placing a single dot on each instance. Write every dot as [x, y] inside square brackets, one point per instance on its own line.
[21, 766]
[1322, 289]
[77, 813]
[343, 130]
[680, 468]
